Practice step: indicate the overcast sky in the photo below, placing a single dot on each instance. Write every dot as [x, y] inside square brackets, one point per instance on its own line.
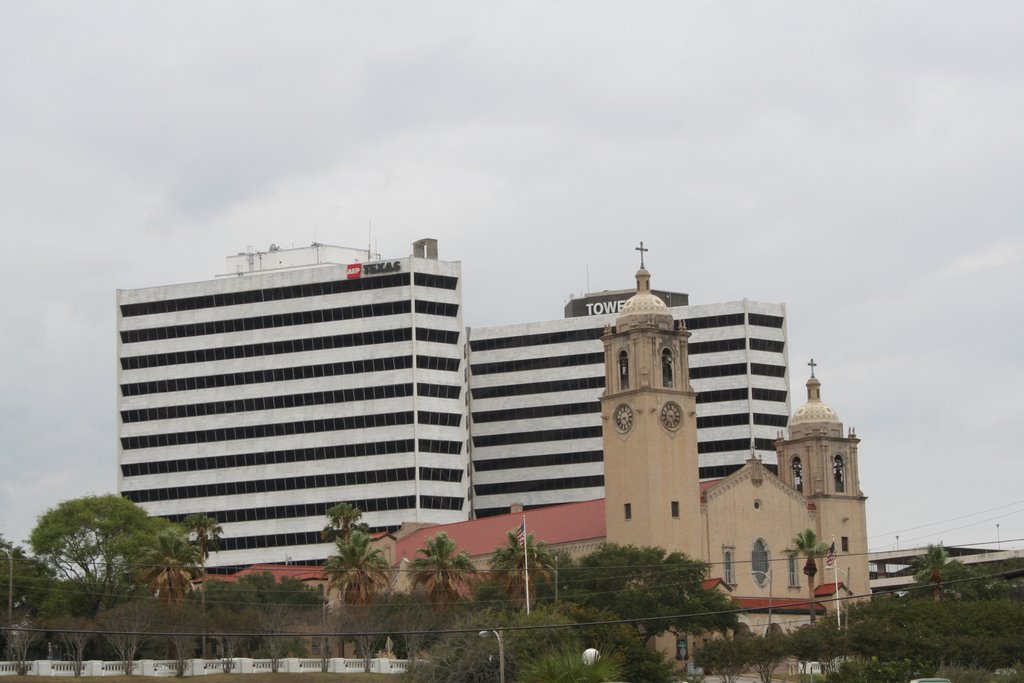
[861, 162]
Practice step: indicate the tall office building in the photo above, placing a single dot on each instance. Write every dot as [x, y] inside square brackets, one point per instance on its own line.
[304, 378]
[535, 393]
[308, 377]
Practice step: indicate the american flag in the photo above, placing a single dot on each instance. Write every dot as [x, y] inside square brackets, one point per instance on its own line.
[830, 559]
[521, 534]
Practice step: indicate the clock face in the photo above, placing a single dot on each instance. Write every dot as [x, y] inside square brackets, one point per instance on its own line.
[624, 418]
[671, 415]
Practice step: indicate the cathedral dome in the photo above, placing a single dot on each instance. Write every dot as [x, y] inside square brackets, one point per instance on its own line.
[814, 410]
[644, 308]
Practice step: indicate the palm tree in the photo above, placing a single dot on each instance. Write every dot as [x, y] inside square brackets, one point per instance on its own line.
[358, 571]
[806, 544]
[207, 535]
[567, 665]
[509, 564]
[170, 564]
[444, 573]
[342, 520]
[930, 566]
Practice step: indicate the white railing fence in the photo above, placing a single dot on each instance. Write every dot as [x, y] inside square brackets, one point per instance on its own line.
[200, 667]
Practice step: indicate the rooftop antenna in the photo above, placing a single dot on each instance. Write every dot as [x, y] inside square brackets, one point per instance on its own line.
[369, 240]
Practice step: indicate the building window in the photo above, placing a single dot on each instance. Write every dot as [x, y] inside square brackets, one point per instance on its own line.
[727, 570]
[667, 373]
[629, 510]
[759, 562]
[675, 509]
[839, 472]
[845, 544]
[623, 370]
[798, 475]
[794, 579]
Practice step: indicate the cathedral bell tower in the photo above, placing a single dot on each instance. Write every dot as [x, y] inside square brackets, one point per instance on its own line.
[648, 409]
[820, 461]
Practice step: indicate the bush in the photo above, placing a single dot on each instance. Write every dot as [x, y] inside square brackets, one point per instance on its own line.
[962, 675]
[875, 671]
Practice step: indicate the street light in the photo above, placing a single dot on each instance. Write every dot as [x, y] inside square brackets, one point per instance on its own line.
[768, 575]
[501, 653]
[10, 597]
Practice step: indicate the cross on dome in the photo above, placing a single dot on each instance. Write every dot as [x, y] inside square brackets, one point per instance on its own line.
[641, 249]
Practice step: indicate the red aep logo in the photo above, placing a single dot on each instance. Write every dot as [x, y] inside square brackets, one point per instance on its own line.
[355, 270]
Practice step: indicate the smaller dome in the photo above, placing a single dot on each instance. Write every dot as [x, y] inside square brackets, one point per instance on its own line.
[814, 410]
[643, 305]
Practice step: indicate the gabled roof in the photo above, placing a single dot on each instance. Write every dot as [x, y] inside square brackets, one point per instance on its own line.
[827, 589]
[753, 470]
[571, 522]
[278, 571]
[709, 584]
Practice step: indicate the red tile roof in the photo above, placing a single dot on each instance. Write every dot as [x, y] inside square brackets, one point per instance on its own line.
[553, 525]
[708, 584]
[780, 604]
[827, 589]
[705, 485]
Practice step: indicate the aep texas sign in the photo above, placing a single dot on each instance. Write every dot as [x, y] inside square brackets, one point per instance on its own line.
[358, 270]
[600, 303]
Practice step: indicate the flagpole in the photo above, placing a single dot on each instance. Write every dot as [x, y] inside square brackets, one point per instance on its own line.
[835, 573]
[526, 567]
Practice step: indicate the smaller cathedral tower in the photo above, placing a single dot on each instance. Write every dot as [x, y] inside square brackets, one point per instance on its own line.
[652, 489]
[821, 462]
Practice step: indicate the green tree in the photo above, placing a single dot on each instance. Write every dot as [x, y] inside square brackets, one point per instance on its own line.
[358, 571]
[807, 545]
[91, 545]
[510, 565]
[929, 568]
[824, 643]
[727, 659]
[767, 653]
[169, 566]
[442, 572]
[342, 520]
[965, 633]
[653, 590]
[253, 590]
[30, 580]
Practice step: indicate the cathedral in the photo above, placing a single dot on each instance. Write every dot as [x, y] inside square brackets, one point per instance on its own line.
[741, 525]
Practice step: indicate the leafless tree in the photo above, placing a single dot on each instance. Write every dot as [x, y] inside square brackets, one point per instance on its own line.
[20, 639]
[74, 635]
[413, 619]
[182, 622]
[275, 623]
[128, 627]
[229, 624]
[365, 625]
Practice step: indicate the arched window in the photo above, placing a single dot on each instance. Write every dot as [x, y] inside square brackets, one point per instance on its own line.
[839, 473]
[667, 372]
[798, 474]
[759, 562]
[623, 370]
[794, 578]
[728, 577]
